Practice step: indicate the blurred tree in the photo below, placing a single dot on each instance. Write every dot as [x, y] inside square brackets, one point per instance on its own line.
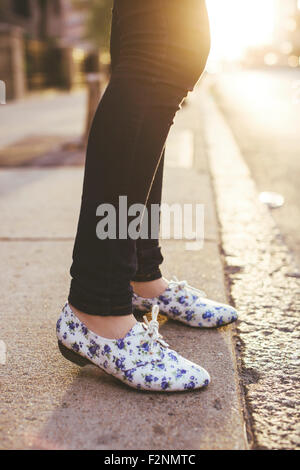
[98, 20]
[22, 8]
[1, 9]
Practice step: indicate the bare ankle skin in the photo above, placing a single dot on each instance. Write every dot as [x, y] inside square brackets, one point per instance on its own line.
[110, 327]
[149, 289]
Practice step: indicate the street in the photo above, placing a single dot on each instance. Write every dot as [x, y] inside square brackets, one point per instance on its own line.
[263, 109]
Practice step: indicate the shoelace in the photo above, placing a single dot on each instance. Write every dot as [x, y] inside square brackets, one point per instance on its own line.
[152, 328]
[184, 285]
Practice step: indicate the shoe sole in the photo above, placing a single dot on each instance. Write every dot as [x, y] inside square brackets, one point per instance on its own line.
[73, 356]
[82, 361]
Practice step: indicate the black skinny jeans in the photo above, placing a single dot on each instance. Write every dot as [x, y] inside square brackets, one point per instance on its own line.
[159, 50]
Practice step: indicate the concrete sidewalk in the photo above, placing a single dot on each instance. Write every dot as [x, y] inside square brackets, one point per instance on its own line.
[47, 403]
[45, 114]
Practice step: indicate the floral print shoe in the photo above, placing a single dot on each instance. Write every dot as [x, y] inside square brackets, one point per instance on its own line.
[185, 303]
[141, 359]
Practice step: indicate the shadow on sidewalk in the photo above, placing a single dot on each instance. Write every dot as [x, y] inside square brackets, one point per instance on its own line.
[43, 151]
[99, 412]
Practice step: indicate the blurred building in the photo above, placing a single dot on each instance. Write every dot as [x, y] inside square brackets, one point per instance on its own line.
[284, 51]
[39, 19]
[39, 43]
[287, 27]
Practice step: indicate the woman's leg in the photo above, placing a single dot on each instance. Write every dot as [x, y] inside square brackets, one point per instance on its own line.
[124, 154]
[127, 139]
[148, 280]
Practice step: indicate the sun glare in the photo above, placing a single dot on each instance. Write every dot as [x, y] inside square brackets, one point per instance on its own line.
[238, 24]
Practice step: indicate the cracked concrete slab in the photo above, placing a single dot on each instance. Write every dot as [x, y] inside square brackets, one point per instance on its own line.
[48, 403]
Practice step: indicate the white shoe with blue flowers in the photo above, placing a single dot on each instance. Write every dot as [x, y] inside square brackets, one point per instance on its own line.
[189, 305]
[141, 359]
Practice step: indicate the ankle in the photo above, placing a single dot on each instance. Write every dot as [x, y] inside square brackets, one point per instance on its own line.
[110, 327]
[149, 289]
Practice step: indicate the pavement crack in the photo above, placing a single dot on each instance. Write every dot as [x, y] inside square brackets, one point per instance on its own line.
[36, 239]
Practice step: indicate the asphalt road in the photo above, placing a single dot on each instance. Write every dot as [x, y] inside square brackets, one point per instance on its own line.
[262, 108]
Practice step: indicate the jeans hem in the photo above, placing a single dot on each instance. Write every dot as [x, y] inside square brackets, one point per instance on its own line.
[142, 277]
[102, 311]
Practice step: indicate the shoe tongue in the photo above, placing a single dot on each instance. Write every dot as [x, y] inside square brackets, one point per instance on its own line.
[136, 337]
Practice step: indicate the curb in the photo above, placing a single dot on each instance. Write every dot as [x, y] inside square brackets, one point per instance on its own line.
[260, 273]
